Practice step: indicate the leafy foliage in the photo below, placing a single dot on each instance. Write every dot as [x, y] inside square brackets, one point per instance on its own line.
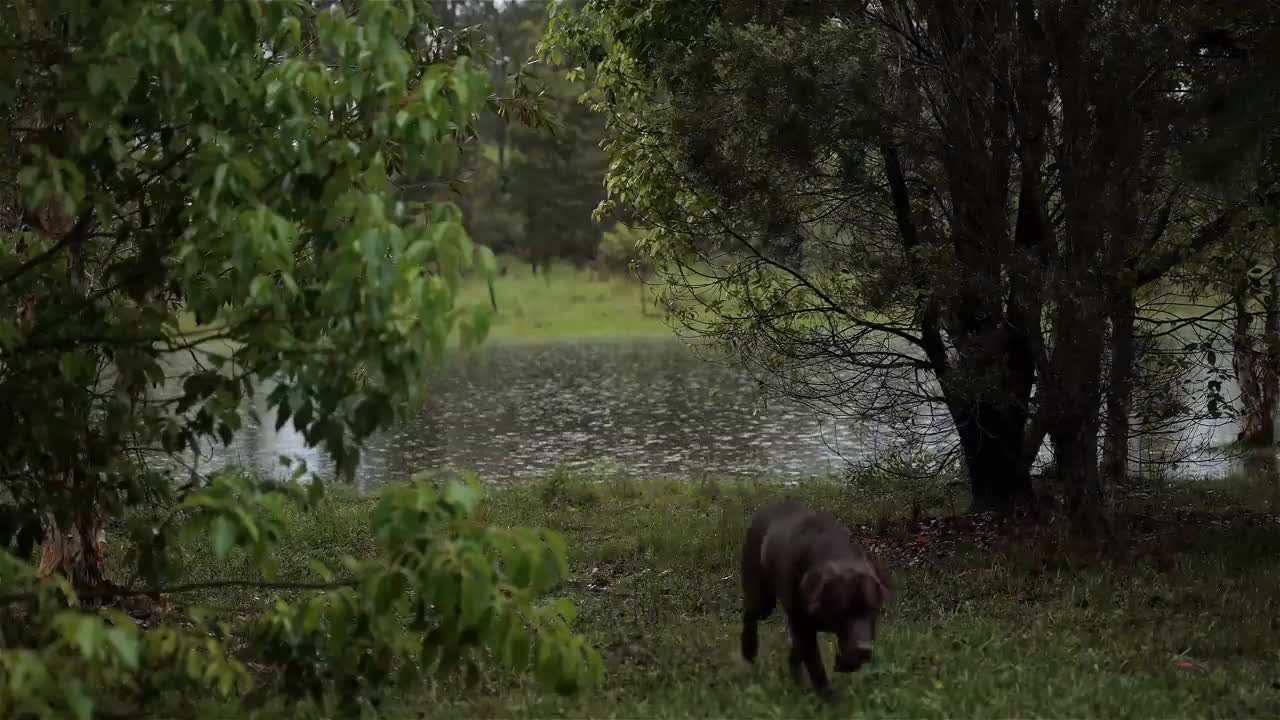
[241, 164]
[443, 595]
[530, 192]
[464, 588]
[921, 213]
[205, 195]
[620, 248]
[61, 660]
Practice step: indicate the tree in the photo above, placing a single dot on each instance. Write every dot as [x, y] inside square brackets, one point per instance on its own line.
[1257, 355]
[220, 180]
[887, 208]
[529, 192]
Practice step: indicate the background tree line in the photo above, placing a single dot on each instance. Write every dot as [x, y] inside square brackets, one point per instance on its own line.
[529, 193]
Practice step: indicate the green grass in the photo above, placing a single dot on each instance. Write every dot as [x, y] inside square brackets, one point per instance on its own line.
[566, 304]
[570, 303]
[1182, 623]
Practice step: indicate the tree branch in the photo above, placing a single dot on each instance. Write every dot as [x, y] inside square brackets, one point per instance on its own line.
[1207, 235]
[931, 337]
[123, 592]
[73, 236]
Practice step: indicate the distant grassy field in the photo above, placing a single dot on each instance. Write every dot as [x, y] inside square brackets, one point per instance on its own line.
[990, 622]
[566, 303]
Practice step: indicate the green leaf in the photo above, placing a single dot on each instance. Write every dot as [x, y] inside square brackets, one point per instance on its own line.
[520, 567]
[388, 587]
[78, 700]
[547, 667]
[8, 334]
[476, 597]
[519, 648]
[88, 637]
[321, 570]
[444, 593]
[566, 609]
[463, 496]
[126, 646]
[222, 535]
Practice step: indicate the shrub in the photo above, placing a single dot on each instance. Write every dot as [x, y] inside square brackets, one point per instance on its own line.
[217, 181]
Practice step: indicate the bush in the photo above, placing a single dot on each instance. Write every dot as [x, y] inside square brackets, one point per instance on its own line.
[442, 592]
[218, 180]
[618, 251]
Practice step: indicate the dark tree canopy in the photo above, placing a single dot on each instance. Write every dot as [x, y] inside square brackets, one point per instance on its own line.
[879, 205]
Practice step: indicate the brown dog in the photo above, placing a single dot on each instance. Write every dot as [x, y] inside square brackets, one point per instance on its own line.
[825, 580]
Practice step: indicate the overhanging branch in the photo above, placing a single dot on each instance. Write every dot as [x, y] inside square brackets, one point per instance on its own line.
[123, 592]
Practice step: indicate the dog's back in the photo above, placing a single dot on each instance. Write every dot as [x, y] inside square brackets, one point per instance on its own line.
[768, 526]
[785, 538]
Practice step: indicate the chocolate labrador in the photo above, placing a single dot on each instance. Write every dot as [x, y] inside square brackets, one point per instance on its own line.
[825, 581]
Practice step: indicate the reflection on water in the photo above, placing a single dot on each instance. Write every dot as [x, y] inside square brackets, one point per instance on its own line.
[513, 411]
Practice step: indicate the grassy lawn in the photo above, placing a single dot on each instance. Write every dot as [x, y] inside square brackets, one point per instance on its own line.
[991, 621]
[566, 303]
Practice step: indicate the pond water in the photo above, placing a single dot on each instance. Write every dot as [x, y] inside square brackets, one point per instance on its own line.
[516, 411]
[653, 407]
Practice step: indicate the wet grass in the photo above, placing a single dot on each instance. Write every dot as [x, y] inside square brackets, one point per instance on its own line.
[989, 622]
[566, 303]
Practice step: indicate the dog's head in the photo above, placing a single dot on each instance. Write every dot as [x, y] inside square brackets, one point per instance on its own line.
[845, 597]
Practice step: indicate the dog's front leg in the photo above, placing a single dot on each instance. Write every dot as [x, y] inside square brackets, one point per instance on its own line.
[805, 652]
[750, 642]
[795, 659]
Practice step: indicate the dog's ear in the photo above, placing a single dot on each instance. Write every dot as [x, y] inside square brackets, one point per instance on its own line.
[812, 584]
[870, 592]
[883, 578]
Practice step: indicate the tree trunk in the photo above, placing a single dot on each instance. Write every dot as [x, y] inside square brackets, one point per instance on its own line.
[1075, 449]
[1073, 430]
[992, 439]
[78, 552]
[1271, 341]
[1255, 366]
[1115, 449]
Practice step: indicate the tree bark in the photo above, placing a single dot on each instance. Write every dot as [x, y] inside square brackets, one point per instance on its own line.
[1075, 445]
[77, 550]
[992, 439]
[1271, 338]
[1256, 367]
[1115, 449]
[1076, 394]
